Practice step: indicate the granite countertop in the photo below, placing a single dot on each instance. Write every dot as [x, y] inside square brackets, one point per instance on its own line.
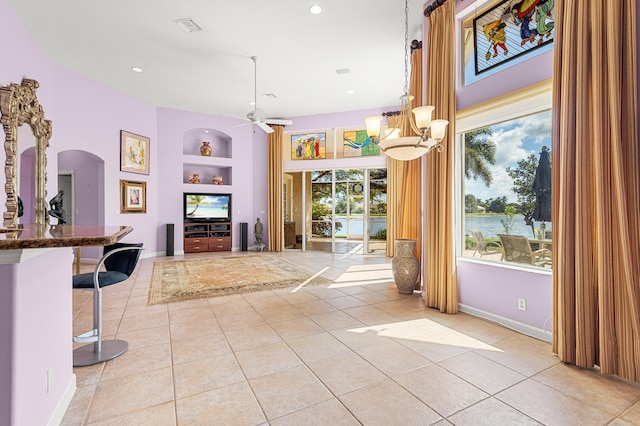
[38, 236]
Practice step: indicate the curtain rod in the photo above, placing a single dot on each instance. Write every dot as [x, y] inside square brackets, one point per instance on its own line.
[433, 6]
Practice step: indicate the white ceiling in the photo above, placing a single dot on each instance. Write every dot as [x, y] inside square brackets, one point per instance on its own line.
[210, 71]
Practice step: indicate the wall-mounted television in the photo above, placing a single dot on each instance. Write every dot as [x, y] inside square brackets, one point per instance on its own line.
[206, 207]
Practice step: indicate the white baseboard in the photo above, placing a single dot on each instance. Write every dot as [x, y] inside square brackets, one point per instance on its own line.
[63, 403]
[529, 330]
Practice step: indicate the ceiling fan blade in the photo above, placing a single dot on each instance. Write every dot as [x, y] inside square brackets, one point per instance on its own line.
[243, 124]
[278, 121]
[264, 127]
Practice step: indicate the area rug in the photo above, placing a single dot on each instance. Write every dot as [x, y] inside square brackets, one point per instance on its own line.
[177, 280]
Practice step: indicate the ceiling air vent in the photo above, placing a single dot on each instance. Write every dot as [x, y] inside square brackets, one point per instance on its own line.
[188, 25]
[343, 71]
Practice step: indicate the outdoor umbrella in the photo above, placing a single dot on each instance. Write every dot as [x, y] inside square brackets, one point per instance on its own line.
[542, 187]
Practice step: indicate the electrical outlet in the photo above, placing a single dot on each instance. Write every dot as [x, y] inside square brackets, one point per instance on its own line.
[522, 304]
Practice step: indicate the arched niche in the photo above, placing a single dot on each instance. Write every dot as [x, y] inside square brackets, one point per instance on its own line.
[19, 106]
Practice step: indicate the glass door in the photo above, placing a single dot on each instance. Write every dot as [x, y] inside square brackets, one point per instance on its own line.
[340, 211]
[377, 212]
[350, 214]
[322, 211]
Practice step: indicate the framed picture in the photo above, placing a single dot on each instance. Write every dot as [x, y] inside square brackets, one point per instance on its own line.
[134, 153]
[356, 143]
[509, 29]
[308, 146]
[133, 196]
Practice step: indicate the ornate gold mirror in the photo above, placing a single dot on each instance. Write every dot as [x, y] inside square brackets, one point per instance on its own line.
[19, 105]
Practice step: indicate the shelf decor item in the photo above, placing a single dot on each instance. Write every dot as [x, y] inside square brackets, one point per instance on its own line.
[194, 178]
[134, 153]
[205, 149]
[133, 196]
[217, 180]
[405, 266]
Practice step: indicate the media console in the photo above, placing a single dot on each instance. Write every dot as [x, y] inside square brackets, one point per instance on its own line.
[207, 236]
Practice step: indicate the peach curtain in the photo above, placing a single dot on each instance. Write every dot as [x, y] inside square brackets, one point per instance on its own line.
[404, 178]
[275, 168]
[395, 172]
[596, 280]
[441, 282]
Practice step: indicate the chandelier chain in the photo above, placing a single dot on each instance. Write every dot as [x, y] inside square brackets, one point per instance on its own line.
[406, 47]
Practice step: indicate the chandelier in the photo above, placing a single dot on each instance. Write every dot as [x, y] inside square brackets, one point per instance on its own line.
[427, 133]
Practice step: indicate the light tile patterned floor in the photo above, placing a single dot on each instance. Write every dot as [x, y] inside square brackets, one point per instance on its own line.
[352, 352]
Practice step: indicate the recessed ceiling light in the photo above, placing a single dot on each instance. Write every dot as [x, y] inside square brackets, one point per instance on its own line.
[350, 92]
[252, 103]
[136, 69]
[315, 9]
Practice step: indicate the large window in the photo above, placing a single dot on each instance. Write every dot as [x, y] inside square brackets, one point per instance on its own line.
[507, 191]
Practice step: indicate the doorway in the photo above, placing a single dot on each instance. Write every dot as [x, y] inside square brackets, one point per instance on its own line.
[341, 211]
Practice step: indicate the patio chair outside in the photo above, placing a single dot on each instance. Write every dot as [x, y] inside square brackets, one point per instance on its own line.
[517, 249]
[484, 247]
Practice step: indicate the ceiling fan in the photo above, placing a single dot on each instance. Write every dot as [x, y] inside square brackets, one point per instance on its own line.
[257, 116]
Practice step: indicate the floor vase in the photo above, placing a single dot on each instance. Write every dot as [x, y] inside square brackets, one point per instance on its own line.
[405, 266]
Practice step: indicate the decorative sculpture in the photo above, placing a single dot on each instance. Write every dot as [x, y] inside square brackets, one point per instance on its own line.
[20, 207]
[258, 244]
[56, 207]
[194, 178]
[257, 232]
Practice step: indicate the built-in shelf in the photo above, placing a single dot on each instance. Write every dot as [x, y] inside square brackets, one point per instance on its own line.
[206, 167]
[206, 236]
[219, 142]
[212, 161]
[206, 174]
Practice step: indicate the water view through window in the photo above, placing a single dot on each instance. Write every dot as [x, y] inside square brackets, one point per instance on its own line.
[507, 191]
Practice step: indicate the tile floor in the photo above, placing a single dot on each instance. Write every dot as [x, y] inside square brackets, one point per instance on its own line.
[348, 353]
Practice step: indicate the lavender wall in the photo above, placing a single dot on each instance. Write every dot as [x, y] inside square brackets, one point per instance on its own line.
[89, 117]
[42, 319]
[26, 329]
[88, 171]
[343, 119]
[248, 162]
[495, 291]
[26, 60]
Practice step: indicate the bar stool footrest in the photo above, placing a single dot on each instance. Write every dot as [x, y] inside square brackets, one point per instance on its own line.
[85, 355]
[89, 336]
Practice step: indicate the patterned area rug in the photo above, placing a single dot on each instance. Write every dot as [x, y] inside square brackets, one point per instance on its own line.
[177, 280]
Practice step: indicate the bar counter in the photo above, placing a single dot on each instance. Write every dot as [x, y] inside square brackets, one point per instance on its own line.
[36, 373]
[38, 236]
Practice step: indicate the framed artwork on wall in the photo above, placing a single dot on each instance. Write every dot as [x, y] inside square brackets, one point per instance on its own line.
[133, 196]
[356, 143]
[308, 146]
[134, 153]
[511, 28]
